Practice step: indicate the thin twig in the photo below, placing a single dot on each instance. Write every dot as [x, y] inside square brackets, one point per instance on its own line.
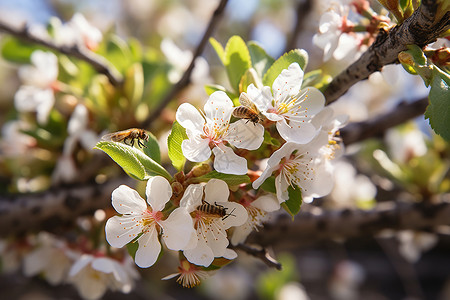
[420, 29]
[99, 63]
[262, 254]
[185, 79]
[356, 132]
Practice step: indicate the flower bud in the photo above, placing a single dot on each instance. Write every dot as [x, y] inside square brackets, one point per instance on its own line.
[201, 170]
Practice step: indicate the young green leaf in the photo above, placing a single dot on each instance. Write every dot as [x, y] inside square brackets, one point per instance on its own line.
[17, 51]
[261, 61]
[231, 180]
[134, 83]
[237, 60]
[269, 185]
[219, 49]
[132, 160]
[151, 148]
[176, 137]
[293, 204]
[438, 112]
[297, 55]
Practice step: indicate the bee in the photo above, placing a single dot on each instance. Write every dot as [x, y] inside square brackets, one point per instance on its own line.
[128, 136]
[247, 110]
[215, 210]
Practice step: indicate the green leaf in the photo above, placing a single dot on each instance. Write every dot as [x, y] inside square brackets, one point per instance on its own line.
[219, 49]
[261, 61]
[250, 76]
[17, 51]
[438, 111]
[151, 148]
[230, 179]
[237, 60]
[211, 88]
[299, 56]
[132, 248]
[269, 185]
[118, 53]
[134, 83]
[268, 139]
[176, 137]
[133, 161]
[316, 79]
[293, 204]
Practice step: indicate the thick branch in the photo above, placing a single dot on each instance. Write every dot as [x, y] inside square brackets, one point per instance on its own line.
[356, 132]
[421, 29]
[261, 254]
[99, 63]
[185, 79]
[315, 224]
[55, 208]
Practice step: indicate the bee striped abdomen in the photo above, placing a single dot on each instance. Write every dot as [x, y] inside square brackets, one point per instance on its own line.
[215, 210]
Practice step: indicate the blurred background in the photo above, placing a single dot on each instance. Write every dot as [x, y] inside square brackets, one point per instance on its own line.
[408, 164]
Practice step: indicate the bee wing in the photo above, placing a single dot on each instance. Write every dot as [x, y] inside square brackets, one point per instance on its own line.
[115, 136]
[245, 100]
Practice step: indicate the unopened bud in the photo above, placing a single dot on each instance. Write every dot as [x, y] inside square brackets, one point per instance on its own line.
[180, 177]
[177, 188]
[406, 58]
[201, 170]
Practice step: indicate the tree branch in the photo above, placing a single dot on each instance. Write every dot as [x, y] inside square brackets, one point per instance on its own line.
[356, 132]
[99, 63]
[261, 254]
[420, 29]
[313, 224]
[185, 79]
[303, 9]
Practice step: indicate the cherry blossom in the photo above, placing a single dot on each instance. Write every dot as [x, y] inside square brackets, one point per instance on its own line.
[299, 166]
[211, 226]
[36, 93]
[189, 275]
[215, 131]
[289, 106]
[145, 224]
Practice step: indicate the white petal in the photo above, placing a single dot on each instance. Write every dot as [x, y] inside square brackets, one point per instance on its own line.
[288, 83]
[218, 108]
[178, 229]
[323, 117]
[122, 230]
[265, 174]
[158, 192]
[192, 197]
[36, 261]
[80, 264]
[196, 150]
[125, 200]
[297, 132]
[226, 161]
[202, 255]
[314, 100]
[246, 135]
[240, 234]
[262, 98]
[230, 254]
[103, 264]
[266, 203]
[217, 240]
[189, 117]
[322, 182]
[149, 249]
[281, 186]
[216, 190]
[236, 214]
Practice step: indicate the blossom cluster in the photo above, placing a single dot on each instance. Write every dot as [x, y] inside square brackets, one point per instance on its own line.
[198, 219]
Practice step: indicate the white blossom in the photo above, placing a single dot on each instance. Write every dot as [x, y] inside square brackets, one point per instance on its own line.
[36, 95]
[146, 224]
[211, 226]
[299, 166]
[214, 130]
[288, 105]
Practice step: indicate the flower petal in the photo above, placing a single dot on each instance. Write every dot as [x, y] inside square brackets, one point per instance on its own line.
[192, 197]
[190, 118]
[281, 186]
[201, 255]
[236, 214]
[196, 149]
[178, 229]
[230, 254]
[218, 109]
[125, 200]
[158, 192]
[149, 249]
[261, 97]
[216, 190]
[297, 132]
[267, 203]
[240, 234]
[80, 264]
[246, 135]
[226, 161]
[288, 83]
[122, 230]
[314, 100]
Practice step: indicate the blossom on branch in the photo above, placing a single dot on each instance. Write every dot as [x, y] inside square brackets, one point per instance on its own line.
[145, 224]
[212, 217]
[289, 106]
[213, 130]
[300, 166]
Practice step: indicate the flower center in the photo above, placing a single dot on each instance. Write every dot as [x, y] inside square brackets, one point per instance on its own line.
[296, 169]
[291, 107]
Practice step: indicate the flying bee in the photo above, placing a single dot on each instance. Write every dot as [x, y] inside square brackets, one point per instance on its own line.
[247, 110]
[215, 210]
[128, 136]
